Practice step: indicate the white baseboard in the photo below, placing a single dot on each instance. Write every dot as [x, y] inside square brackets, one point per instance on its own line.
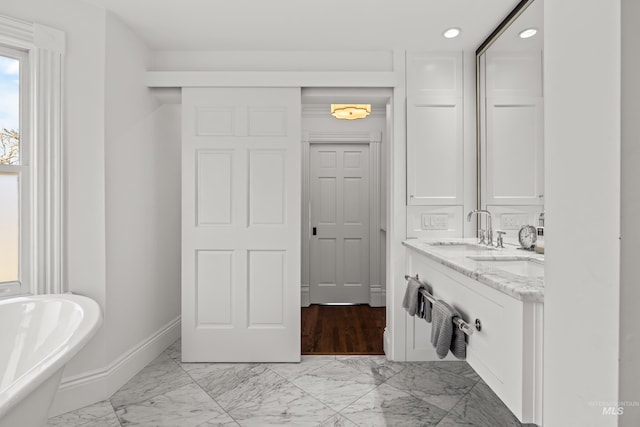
[386, 344]
[305, 300]
[378, 297]
[90, 387]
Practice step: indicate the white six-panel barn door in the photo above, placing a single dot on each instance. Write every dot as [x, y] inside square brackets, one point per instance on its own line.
[241, 190]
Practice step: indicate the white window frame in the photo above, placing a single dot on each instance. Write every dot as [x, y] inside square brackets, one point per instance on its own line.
[23, 169]
[41, 252]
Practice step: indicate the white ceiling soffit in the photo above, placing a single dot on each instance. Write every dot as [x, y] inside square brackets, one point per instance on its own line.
[377, 97]
[299, 25]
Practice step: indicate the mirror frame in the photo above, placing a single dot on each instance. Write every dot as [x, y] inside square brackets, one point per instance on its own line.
[484, 46]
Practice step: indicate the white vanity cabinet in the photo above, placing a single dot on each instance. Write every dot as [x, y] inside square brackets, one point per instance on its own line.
[506, 352]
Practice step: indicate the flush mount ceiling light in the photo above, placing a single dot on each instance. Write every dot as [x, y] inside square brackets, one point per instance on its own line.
[529, 32]
[350, 111]
[451, 33]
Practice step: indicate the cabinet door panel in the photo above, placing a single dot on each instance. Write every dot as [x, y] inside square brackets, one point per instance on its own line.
[514, 151]
[435, 141]
[512, 138]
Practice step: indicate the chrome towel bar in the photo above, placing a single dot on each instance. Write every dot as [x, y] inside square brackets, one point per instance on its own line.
[462, 325]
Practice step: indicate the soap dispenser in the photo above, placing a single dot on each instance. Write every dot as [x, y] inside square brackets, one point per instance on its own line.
[540, 234]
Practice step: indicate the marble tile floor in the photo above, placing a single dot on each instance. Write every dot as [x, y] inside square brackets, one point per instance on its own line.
[320, 391]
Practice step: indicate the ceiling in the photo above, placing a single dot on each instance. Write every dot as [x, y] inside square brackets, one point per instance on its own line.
[303, 25]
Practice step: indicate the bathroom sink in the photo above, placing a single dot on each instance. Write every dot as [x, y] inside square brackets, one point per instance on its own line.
[521, 266]
[461, 246]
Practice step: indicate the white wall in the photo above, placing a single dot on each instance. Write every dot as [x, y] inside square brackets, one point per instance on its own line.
[395, 331]
[122, 211]
[582, 179]
[629, 387]
[142, 197]
[83, 113]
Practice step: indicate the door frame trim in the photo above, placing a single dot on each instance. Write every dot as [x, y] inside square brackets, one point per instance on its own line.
[377, 295]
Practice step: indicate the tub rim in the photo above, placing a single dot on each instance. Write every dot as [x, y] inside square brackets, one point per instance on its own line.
[60, 356]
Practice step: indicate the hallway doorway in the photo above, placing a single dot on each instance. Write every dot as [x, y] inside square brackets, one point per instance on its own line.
[344, 173]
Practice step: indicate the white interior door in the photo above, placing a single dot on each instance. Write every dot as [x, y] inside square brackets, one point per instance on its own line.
[241, 192]
[339, 252]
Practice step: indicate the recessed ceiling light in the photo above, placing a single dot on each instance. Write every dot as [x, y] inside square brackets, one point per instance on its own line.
[529, 32]
[451, 33]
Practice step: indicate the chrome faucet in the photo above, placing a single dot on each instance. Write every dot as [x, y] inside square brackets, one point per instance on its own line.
[489, 233]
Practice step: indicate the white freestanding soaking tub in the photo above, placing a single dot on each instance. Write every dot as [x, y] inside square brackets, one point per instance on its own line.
[38, 336]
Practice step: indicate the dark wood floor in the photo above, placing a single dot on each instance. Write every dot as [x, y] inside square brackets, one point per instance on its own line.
[340, 329]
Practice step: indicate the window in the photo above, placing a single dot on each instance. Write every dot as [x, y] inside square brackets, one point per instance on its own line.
[15, 172]
[31, 167]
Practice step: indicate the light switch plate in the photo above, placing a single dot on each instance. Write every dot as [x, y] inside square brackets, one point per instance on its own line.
[435, 221]
[512, 221]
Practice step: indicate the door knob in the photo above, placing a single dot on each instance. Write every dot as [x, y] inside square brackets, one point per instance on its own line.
[314, 231]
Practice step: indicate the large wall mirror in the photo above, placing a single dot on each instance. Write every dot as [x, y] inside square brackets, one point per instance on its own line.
[510, 127]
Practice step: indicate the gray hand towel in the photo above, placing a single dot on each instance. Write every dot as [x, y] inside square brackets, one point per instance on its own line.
[425, 307]
[458, 343]
[411, 300]
[445, 335]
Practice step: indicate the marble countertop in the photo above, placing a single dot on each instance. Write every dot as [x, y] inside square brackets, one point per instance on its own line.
[458, 254]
